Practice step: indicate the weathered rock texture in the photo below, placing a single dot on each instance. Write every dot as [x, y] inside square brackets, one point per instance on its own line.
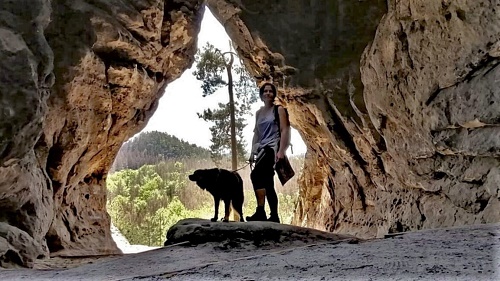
[398, 103]
[112, 60]
[313, 49]
[199, 231]
[431, 81]
[26, 202]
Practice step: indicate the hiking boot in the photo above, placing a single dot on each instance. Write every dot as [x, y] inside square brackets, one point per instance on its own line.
[260, 215]
[274, 218]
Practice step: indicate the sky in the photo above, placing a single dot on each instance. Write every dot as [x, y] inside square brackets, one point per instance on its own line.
[177, 110]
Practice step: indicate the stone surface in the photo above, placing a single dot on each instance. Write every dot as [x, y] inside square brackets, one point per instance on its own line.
[80, 78]
[397, 102]
[460, 253]
[431, 87]
[17, 247]
[26, 208]
[112, 61]
[200, 231]
[313, 51]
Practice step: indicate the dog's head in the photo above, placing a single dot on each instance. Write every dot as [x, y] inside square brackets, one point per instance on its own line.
[204, 178]
[196, 175]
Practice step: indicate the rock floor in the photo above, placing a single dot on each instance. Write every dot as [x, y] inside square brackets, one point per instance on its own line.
[460, 253]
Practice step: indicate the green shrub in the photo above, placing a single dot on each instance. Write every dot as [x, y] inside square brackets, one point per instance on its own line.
[145, 203]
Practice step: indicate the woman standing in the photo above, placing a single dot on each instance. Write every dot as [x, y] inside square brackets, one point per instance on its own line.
[270, 142]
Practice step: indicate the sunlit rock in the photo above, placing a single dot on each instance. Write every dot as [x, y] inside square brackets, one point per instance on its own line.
[397, 102]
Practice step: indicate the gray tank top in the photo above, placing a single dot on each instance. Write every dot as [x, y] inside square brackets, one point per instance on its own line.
[268, 130]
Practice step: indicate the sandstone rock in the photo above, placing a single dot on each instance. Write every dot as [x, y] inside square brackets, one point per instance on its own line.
[200, 231]
[26, 208]
[387, 146]
[397, 102]
[112, 60]
[324, 42]
[18, 248]
[430, 87]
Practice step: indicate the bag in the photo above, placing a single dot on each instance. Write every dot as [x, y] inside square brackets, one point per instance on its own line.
[284, 170]
[283, 167]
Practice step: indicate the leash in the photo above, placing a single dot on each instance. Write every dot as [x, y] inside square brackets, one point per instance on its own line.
[242, 167]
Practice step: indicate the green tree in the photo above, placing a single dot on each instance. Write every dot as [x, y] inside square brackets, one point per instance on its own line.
[228, 119]
[143, 203]
[155, 147]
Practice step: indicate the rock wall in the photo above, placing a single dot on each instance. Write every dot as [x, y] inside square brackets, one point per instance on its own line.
[431, 82]
[26, 203]
[79, 84]
[397, 102]
[312, 49]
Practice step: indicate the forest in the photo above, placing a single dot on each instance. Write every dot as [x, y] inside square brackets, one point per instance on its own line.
[150, 193]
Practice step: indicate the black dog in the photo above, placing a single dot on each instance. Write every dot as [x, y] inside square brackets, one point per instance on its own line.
[223, 185]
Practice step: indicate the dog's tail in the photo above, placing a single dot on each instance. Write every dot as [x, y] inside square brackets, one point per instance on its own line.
[238, 178]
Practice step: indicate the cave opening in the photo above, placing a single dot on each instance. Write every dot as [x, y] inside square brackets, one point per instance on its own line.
[148, 188]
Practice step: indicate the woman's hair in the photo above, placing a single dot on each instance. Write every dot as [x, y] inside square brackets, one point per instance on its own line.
[273, 88]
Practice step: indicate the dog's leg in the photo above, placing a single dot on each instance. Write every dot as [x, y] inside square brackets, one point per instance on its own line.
[227, 208]
[239, 209]
[216, 205]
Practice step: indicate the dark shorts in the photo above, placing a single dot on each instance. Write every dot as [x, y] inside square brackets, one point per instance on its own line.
[262, 175]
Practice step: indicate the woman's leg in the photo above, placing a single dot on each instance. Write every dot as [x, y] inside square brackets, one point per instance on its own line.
[272, 199]
[262, 177]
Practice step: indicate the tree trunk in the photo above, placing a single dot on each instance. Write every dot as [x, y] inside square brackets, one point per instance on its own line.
[234, 153]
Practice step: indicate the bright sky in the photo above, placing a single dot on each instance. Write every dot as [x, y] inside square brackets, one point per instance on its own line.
[176, 113]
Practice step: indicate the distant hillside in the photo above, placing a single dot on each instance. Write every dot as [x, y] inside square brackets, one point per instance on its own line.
[154, 147]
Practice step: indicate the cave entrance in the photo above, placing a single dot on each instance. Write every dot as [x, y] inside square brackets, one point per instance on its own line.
[148, 188]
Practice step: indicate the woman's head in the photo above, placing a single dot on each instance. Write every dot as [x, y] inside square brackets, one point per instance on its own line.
[267, 88]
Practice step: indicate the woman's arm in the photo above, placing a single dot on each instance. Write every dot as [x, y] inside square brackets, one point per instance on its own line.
[255, 139]
[285, 133]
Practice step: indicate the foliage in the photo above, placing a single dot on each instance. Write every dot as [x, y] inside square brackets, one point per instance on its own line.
[210, 65]
[146, 202]
[143, 202]
[154, 147]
